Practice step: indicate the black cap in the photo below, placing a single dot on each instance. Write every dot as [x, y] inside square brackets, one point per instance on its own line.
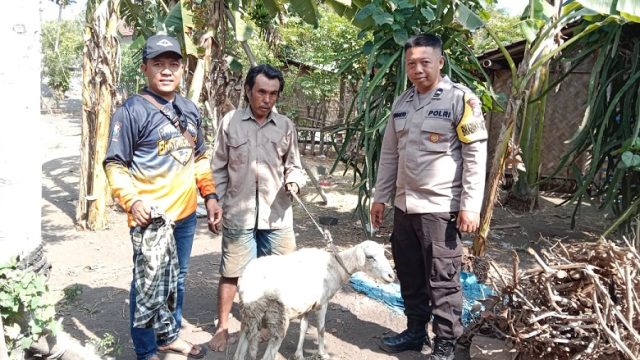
[160, 44]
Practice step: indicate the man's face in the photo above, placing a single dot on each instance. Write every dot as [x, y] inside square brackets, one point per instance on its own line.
[263, 96]
[423, 66]
[164, 73]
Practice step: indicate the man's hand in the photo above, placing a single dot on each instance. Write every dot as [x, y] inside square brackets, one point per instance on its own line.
[292, 188]
[141, 213]
[468, 221]
[377, 213]
[214, 215]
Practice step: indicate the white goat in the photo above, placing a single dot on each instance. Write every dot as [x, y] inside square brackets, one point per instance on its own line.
[275, 289]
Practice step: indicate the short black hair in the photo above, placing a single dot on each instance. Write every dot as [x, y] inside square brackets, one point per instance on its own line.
[267, 70]
[424, 40]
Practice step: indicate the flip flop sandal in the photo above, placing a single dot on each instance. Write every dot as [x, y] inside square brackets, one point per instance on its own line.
[199, 355]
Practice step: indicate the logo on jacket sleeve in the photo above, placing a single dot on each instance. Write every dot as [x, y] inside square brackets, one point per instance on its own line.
[116, 131]
[471, 127]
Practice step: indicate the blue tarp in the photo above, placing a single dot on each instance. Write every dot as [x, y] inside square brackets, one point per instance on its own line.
[389, 294]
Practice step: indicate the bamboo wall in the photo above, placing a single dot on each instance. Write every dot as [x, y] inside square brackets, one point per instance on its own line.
[563, 115]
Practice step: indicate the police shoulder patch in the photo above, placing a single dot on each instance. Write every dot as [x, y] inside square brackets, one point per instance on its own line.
[471, 126]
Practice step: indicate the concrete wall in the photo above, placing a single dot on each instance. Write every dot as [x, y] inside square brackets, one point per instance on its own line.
[20, 165]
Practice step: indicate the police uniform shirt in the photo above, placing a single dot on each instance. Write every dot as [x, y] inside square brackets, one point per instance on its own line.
[434, 151]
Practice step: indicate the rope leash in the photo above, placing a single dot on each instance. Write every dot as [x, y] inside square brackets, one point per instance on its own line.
[325, 233]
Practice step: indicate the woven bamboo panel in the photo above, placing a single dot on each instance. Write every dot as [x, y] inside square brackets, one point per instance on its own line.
[501, 84]
[564, 112]
[563, 115]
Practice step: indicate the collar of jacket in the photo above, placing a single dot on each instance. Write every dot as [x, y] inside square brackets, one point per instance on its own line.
[444, 84]
[247, 114]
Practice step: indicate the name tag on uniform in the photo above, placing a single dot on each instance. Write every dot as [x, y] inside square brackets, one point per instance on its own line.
[399, 115]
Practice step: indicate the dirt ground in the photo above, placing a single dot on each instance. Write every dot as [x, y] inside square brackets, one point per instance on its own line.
[92, 270]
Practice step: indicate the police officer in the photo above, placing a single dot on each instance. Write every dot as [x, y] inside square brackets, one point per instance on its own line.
[433, 157]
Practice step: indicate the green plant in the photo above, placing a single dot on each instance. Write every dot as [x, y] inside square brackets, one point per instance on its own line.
[72, 293]
[131, 78]
[108, 345]
[505, 27]
[529, 87]
[61, 53]
[610, 130]
[25, 311]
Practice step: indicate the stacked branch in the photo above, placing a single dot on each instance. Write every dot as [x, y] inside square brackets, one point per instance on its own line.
[580, 302]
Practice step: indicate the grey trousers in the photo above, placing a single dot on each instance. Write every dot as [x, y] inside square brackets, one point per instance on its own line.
[428, 256]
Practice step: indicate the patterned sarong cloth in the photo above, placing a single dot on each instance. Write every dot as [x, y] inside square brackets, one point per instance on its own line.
[156, 276]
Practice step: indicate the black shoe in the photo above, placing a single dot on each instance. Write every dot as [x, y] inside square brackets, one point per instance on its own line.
[410, 339]
[443, 349]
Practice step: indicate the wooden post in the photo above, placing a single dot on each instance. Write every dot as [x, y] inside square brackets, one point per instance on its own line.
[322, 134]
[315, 183]
[313, 142]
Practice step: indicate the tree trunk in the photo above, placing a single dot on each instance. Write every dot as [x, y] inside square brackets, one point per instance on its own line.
[524, 195]
[55, 47]
[497, 168]
[100, 64]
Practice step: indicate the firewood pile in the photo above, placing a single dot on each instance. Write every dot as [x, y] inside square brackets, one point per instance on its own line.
[580, 302]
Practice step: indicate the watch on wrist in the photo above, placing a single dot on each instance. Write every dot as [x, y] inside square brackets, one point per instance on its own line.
[211, 196]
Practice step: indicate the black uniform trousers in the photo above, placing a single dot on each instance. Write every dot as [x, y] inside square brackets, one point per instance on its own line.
[428, 256]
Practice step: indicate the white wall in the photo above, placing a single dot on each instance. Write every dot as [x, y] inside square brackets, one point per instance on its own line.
[20, 165]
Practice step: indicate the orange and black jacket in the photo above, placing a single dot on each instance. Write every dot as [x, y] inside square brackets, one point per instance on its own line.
[149, 159]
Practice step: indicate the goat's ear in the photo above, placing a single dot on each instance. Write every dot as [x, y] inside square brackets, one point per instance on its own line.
[361, 256]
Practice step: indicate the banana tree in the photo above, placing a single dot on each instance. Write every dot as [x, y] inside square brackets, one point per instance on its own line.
[100, 61]
[388, 25]
[526, 84]
[610, 128]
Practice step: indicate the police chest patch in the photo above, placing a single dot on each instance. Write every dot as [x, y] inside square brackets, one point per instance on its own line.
[438, 93]
[399, 115]
[439, 113]
[434, 138]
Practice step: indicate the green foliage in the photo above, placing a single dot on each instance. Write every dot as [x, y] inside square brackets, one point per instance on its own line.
[61, 53]
[505, 28]
[72, 293]
[610, 132]
[108, 345]
[26, 314]
[320, 51]
[309, 56]
[131, 78]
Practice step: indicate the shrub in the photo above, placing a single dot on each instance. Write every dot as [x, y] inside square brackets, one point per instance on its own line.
[61, 53]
